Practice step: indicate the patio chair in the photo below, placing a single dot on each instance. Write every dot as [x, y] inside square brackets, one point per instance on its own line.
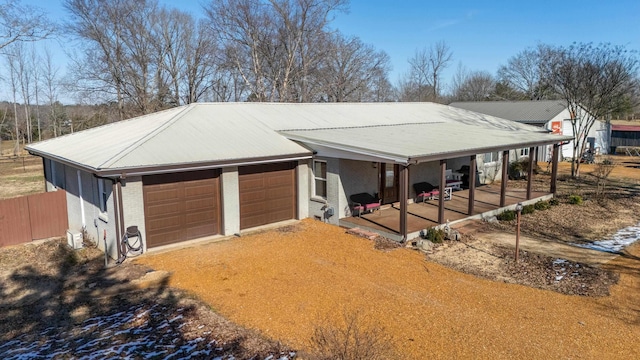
[363, 203]
[425, 190]
[454, 180]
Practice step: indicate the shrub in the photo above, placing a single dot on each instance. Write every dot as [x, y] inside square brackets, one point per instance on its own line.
[434, 235]
[542, 205]
[575, 200]
[554, 202]
[352, 339]
[507, 215]
[528, 209]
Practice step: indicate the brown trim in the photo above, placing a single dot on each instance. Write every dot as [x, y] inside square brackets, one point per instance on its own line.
[420, 159]
[152, 170]
[530, 171]
[443, 182]
[403, 197]
[505, 177]
[472, 184]
[554, 168]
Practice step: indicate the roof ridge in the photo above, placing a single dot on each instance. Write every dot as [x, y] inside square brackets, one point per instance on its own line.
[147, 137]
[363, 126]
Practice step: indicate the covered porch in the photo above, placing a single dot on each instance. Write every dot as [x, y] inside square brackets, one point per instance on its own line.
[423, 215]
[423, 148]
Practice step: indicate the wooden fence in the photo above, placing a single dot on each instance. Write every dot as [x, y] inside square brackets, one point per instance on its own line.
[33, 217]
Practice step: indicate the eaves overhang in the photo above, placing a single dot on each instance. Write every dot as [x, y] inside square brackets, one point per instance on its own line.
[165, 168]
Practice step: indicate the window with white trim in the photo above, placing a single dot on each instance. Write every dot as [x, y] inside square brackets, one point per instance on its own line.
[320, 176]
[524, 152]
[491, 157]
[103, 193]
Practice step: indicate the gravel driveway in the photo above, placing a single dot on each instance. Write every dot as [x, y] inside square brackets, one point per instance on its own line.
[285, 283]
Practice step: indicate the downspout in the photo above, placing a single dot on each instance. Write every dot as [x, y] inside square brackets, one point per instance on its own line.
[114, 191]
[84, 224]
[44, 170]
[121, 213]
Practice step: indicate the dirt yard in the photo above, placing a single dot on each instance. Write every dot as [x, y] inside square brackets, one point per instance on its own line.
[20, 176]
[300, 286]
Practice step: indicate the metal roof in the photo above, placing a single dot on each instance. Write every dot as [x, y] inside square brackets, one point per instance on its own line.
[197, 135]
[529, 112]
[415, 143]
[205, 135]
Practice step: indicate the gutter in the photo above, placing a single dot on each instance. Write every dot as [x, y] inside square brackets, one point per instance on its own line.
[159, 169]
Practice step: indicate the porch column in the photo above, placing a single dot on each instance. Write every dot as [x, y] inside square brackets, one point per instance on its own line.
[472, 184]
[530, 174]
[554, 168]
[404, 196]
[443, 183]
[505, 177]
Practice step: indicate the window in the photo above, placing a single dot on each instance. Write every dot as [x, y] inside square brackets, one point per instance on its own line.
[103, 193]
[524, 152]
[320, 174]
[491, 157]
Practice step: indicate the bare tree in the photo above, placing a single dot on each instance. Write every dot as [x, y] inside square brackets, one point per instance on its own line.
[13, 82]
[36, 77]
[591, 79]
[523, 72]
[20, 23]
[120, 56]
[51, 84]
[272, 45]
[473, 86]
[350, 69]
[423, 82]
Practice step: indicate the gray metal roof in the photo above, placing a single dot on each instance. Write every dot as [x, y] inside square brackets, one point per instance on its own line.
[198, 135]
[216, 134]
[529, 112]
[415, 143]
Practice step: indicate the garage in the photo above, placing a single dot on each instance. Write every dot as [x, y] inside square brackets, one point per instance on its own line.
[181, 206]
[267, 194]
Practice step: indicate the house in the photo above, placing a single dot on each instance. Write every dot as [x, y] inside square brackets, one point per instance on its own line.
[552, 115]
[624, 133]
[218, 169]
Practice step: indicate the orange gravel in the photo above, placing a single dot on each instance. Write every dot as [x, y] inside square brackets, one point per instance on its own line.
[285, 283]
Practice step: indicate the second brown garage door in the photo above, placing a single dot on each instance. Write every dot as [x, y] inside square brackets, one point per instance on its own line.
[267, 194]
[181, 206]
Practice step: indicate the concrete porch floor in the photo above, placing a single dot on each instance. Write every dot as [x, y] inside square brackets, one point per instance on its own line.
[386, 221]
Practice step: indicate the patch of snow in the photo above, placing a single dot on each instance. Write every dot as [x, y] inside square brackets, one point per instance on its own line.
[621, 239]
[116, 336]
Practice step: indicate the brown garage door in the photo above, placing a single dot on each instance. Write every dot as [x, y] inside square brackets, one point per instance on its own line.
[181, 206]
[267, 194]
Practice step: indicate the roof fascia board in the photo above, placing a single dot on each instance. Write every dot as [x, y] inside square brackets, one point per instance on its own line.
[324, 151]
[149, 170]
[314, 144]
[476, 151]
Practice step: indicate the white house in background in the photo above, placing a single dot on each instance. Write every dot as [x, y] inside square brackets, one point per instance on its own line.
[552, 115]
[218, 169]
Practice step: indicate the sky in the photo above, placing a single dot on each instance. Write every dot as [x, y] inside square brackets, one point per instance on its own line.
[482, 35]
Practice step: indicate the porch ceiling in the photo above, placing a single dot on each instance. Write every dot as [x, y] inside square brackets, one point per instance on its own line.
[418, 142]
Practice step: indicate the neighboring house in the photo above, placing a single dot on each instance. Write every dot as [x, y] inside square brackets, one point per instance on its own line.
[219, 169]
[624, 133]
[548, 114]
